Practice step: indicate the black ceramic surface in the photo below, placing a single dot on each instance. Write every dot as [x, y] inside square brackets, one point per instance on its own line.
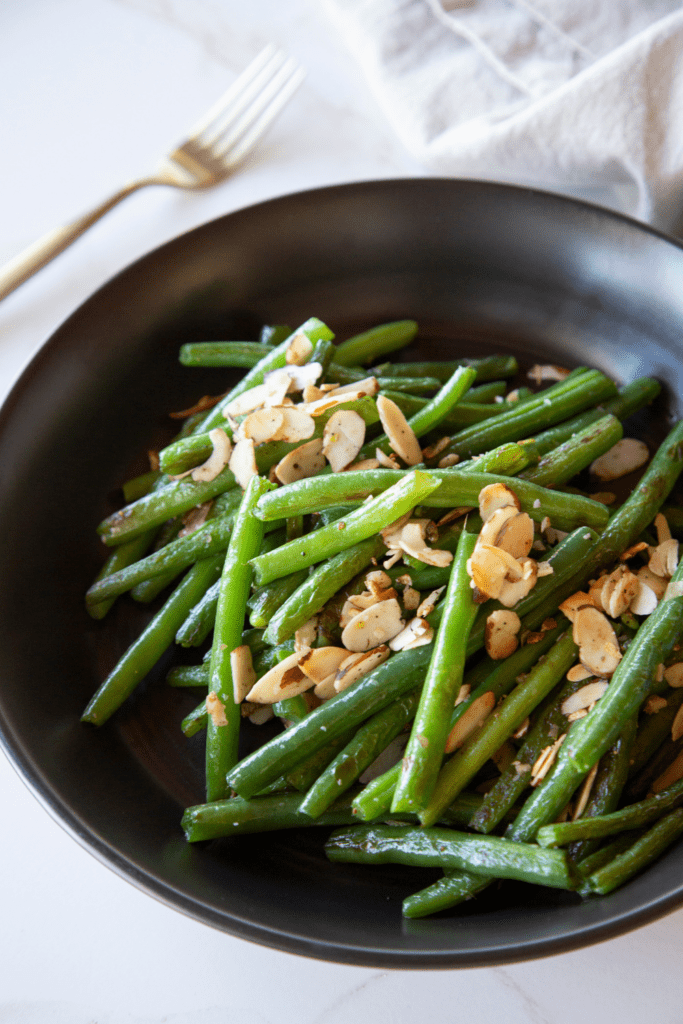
[483, 268]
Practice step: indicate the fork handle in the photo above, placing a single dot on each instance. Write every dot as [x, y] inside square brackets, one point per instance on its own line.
[36, 256]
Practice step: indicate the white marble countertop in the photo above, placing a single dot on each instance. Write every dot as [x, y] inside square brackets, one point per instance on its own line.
[93, 91]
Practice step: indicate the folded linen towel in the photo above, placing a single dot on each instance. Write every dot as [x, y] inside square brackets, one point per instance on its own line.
[570, 95]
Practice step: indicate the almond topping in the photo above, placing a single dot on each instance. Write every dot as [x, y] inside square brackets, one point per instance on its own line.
[261, 425]
[577, 673]
[495, 496]
[493, 527]
[470, 720]
[216, 709]
[427, 606]
[299, 349]
[513, 591]
[401, 435]
[541, 372]
[654, 704]
[672, 774]
[242, 671]
[448, 460]
[517, 535]
[417, 633]
[355, 666]
[501, 632]
[664, 558]
[662, 528]
[217, 460]
[571, 605]
[321, 662]
[624, 457]
[412, 541]
[597, 641]
[283, 680]
[305, 461]
[296, 425]
[373, 627]
[243, 462]
[411, 599]
[677, 726]
[645, 600]
[545, 760]
[583, 698]
[343, 438]
[674, 675]
[388, 461]
[585, 792]
[368, 385]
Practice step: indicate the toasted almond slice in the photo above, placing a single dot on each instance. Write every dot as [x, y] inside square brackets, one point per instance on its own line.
[626, 588]
[218, 459]
[357, 665]
[411, 599]
[493, 527]
[435, 449]
[671, 774]
[242, 671]
[368, 385]
[426, 607]
[584, 697]
[604, 497]
[391, 535]
[585, 792]
[463, 694]
[299, 349]
[306, 460]
[571, 605]
[417, 633]
[654, 704]
[501, 632]
[470, 720]
[296, 425]
[635, 549]
[664, 558]
[521, 730]
[306, 635]
[362, 466]
[361, 601]
[577, 673]
[261, 425]
[495, 496]
[287, 679]
[216, 709]
[677, 726]
[448, 460]
[624, 457]
[388, 461]
[645, 600]
[373, 627]
[662, 528]
[195, 518]
[343, 438]
[243, 462]
[325, 689]
[401, 435]
[377, 580]
[413, 543]
[303, 377]
[576, 715]
[544, 569]
[455, 513]
[249, 400]
[321, 662]
[541, 372]
[331, 400]
[545, 760]
[488, 569]
[513, 591]
[262, 715]
[652, 580]
[517, 535]
[674, 675]
[597, 641]
[311, 393]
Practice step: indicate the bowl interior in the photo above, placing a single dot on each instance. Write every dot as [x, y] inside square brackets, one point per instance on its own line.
[483, 268]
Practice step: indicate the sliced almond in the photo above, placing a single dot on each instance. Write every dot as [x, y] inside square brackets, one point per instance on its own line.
[584, 697]
[303, 377]
[343, 438]
[411, 599]
[362, 466]
[513, 591]
[625, 589]
[305, 461]
[321, 662]
[652, 580]
[662, 528]
[501, 632]
[299, 349]
[495, 496]
[635, 549]
[672, 774]
[463, 694]
[216, 709]
[296, 425]
[355, 666]
[545, 760]
[306, 635]
[653, 705]
[325, 689]
[571, 605]
[488, 568]
[388, 461]
[493, 526]
[218, 459]
[674, 675]
[585, 792]
[541, 372]
[287, 679]
[252, 399]
[401, 435]
[645, 600]
[521, 730]
[597, 641]
[577, 673]
[261, 425]
[426, 607]
[677, 726]
[368, 385]
[624, 457]
[331, 401]
[435, 449]
[417, 633]
[262, 715]
[517, 535]
[470, 720]
[448, 460]
[664, 558]
[242, 671]
[195, 518]
[243, 462]
[373, 627]
[412, 541]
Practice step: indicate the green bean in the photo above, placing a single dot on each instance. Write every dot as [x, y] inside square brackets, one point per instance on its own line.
[359, 753]
[487, 856]
[633, 816]
[304, 774]
[195, 721]
[366, 522]
[606, 853]
[450, 890]
[120, 558]
[467, 761]
[237, 354]
[367, 346]
[138, 486]
[485, 393]
[652, 732]
[560, 464]
[639, 855]
[292, 709]
[488, 368]
[590, 737]
[144, 653]
[245, 542]
[549, 407]
[269, 600]
[425, 750]
[194, 676]
[317, 588]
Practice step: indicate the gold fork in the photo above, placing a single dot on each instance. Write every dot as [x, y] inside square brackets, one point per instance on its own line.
[213, 149]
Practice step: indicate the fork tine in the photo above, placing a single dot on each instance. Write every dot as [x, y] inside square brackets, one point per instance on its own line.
[231, 95]
[250, 127]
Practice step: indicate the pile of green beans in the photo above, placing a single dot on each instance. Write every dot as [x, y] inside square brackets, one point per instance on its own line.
[404, 761]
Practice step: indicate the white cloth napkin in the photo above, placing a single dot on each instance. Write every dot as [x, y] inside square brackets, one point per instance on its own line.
[579, 96]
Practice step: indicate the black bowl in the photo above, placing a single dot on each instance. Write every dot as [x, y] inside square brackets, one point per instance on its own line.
[483, 268]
